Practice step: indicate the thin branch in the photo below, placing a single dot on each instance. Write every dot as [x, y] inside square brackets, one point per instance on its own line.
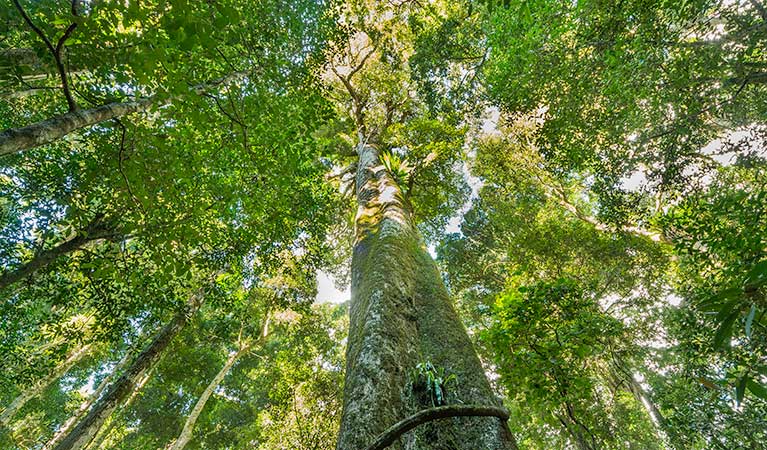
[362, 62]
[120, 166]
[55, 51]
[393, 433]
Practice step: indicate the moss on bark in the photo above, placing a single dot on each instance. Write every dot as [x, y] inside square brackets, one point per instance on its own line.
[401, 315]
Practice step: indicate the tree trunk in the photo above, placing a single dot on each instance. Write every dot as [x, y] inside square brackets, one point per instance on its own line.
[82, 434]
[109, 424]
[46, 257]
[86, 405]
[623, 377]
[40, 386]
[14, 140]
[401, 315]
[186, 433]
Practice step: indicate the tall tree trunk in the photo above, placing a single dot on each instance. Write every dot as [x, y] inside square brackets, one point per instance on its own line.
[109, 424]
[66, 427]
[401, 315]
[186, 433]
[82, 434]
[623, 376]
[40, 386]
[14, 140]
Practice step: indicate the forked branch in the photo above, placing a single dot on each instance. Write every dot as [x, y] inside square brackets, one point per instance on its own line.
[55, 51]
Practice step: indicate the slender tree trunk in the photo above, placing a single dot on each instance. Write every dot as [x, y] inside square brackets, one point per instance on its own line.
[109, 424]
[401, 315]
[46, 257]
[14, 140]
[23, 93]
[641, 396]
[66, 427]
[40, 386]
[186, 433]
[84, 432]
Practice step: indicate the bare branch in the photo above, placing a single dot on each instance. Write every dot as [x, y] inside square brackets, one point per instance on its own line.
[393, 433]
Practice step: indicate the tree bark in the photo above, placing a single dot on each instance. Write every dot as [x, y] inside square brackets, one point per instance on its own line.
[40, 386]
[14, 140]
[94, 232]
[66, 427]
[109, 424]
[401, 315]
[186, 433]
[84, 432]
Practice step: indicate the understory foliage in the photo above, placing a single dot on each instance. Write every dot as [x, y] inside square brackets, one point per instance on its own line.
[591, 176]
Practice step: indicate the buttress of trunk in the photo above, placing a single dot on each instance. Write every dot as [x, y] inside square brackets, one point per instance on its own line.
[40, 386]
[86, 405]
[94, 232]
[401, 315]
[84, 432]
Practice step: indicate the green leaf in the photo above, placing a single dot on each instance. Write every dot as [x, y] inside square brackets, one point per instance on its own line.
[712, 303]
[758, 274]
[750, 319]
[740, 389]
[757, 389]
[724, 332]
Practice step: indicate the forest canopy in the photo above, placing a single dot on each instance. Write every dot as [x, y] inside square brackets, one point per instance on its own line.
[546, 223]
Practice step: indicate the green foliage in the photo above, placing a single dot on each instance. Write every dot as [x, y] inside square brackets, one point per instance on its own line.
[549, 342]
[433, 381]
[718, 234]
[616, 314]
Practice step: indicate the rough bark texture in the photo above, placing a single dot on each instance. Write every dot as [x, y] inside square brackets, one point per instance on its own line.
[82, 434]
[186, 433]
[401, 315]
[40, 386]
[66, 427]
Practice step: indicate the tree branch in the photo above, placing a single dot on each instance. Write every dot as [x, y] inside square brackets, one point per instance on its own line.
[55, 51]
[393, 433]
[14, 140]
